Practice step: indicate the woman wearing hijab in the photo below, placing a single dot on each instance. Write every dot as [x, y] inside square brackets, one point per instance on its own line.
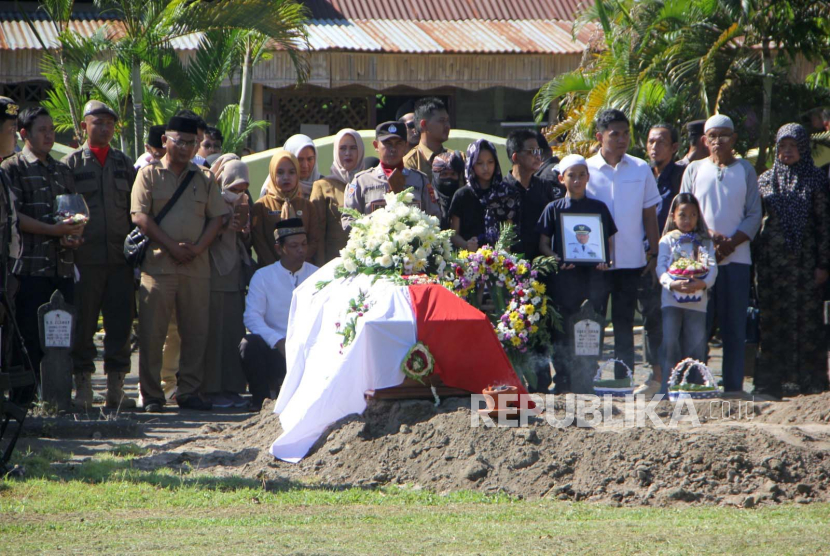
[283, 200]
[327, 194]
[303, 149]
[224, 382]
[792, 257]
[478, 209]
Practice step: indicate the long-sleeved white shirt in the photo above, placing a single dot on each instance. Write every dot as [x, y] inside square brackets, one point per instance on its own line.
[269, 300]
[664, 261]
[729, 200]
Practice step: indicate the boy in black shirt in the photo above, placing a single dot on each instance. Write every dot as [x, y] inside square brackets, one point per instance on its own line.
[573, 284]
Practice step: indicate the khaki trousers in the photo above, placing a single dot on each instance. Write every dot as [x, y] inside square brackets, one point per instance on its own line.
[170, 360]
[107, 289]
[159, 298]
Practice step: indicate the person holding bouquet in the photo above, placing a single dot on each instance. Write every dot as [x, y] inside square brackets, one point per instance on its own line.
[792, 258]
[687, 269]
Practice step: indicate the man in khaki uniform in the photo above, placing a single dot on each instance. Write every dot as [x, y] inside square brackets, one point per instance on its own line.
[175, 275]
[433, 122]
[365, 193]
[104, 176]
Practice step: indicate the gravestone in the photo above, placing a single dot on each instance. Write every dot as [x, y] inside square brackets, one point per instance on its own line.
[584, 347]
[56, 321]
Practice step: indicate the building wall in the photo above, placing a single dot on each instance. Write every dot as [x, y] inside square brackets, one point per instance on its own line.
[485, 111]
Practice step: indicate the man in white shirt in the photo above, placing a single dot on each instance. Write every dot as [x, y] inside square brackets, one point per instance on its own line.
[627, 186]
[154, 148]
[266, 311]
[727, 190]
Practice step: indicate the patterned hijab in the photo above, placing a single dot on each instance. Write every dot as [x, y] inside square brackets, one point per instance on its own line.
[789, 189]
[500, 202]
[288, 210]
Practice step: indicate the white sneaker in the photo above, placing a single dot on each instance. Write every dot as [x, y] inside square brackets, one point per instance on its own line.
[649, 389]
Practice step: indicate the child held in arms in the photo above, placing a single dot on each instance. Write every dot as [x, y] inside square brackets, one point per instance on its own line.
[687, 269]
[572, 284]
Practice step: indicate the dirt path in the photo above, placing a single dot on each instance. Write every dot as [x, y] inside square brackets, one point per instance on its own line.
[738, 453]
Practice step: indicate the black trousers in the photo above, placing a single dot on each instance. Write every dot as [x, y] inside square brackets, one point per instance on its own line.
[649, 303]
[264, 367]
[623, 285]
[569, 289]
[34, 291]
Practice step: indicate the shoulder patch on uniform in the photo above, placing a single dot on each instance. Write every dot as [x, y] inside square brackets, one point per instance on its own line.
[406, 171]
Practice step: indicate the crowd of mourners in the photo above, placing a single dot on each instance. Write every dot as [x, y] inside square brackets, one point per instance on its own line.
[213, 291]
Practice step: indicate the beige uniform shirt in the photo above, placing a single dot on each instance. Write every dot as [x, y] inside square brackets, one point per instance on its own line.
[106, 190]
[420, 158]
[185, 222]
[365, 193]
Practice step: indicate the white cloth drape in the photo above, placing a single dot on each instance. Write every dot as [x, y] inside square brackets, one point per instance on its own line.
[321, 385]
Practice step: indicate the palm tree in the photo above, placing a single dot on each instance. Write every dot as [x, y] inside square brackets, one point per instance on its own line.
[150, 26]
[794, 27]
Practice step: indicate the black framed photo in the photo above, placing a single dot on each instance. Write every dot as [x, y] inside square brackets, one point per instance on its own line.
[583, 239]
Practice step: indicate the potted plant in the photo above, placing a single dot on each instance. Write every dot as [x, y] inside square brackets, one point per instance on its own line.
[500, 397]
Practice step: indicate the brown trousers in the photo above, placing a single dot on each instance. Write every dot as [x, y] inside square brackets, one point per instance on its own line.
[160, 297]
[107, 289]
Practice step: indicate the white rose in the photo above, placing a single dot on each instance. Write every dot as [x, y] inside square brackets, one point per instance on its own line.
[360, 253]
[384, 261]
[387, 248]
[421, 253]
[349, 265]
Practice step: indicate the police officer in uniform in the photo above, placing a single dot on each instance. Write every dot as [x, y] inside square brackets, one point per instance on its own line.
[365, 193]
[104, 176]
[583, 248]
[175, 274]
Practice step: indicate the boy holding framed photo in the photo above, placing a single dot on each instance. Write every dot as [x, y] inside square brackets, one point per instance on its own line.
[578, 232]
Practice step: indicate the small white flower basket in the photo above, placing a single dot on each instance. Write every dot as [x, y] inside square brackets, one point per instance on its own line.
[619, 388]
[707, 390]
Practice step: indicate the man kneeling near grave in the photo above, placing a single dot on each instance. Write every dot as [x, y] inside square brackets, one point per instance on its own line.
[266, 312]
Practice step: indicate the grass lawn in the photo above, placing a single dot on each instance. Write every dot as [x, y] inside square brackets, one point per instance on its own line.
[105, 506]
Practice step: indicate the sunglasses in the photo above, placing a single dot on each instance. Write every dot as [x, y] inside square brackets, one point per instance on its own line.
[410, 125]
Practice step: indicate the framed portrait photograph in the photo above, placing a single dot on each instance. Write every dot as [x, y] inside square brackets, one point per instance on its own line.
[583, 239]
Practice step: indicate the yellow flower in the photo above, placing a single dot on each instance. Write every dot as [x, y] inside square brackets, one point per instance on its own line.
[463, 254]
[529, 309]
[519, 325]
[516, 341]
[521, 269]
[534, 329]
[544, 310]
[539, 287]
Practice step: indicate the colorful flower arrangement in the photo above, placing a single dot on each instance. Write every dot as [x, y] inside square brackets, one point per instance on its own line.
[418, 363]
[686, 266]
[519, 298]
[398, 239]
[358, 307]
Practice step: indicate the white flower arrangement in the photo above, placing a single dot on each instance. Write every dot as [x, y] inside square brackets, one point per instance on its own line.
[398, 239]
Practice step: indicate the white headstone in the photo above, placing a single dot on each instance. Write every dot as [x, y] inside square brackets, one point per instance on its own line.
[587, 338]
[57, 329]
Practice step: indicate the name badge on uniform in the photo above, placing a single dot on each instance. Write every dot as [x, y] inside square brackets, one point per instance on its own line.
[274, 212]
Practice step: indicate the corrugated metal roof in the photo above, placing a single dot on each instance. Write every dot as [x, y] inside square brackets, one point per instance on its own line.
[471, 36]
[374, 35]
[445, 9]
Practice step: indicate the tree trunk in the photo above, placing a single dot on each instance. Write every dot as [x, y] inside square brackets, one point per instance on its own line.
[763, 139]
[247, 88]
[124, 143]
[70, 96]
[138, 107]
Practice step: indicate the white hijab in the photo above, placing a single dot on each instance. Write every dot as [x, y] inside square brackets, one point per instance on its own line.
[337, 171]
[294, 145]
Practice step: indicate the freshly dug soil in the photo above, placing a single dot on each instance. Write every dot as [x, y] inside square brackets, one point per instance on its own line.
[740, 454]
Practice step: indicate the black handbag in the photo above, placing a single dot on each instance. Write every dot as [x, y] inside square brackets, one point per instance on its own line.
[135, 244]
